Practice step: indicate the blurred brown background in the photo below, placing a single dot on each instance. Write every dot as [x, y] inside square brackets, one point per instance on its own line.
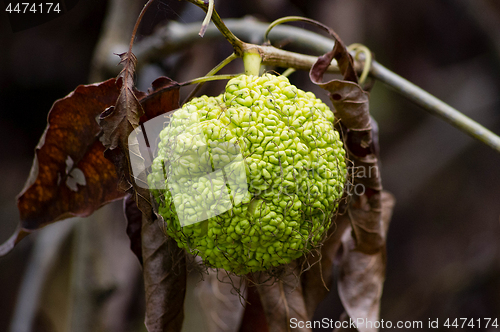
[443, 244]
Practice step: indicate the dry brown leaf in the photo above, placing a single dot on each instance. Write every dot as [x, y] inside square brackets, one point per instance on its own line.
[164, 279]
[339, 53]
[70, 176]
[254, 318]
[222, 305]
[134, 225]
[318, 276]
[117, 122]
[362, 275]
[70, 149]
[164, 264]
[362, 265]
[282, 299]
[352, 109]
[364, 210]
[161, 98]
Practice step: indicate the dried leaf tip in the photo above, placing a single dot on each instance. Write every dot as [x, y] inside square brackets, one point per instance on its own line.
[129, 62]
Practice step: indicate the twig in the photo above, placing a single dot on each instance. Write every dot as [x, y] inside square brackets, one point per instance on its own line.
[120, 18]
[435, 106]
[214, 71]
[175, 36]
[227, 33]
[204, 79]
[207, 19]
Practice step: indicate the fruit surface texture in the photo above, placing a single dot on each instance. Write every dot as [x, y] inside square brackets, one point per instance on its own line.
[251, 178]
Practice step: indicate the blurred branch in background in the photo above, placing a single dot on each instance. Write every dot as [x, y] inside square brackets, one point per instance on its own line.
[114, 39]
[469, 78]
[81, 277]
[45, 257]
[174, 36]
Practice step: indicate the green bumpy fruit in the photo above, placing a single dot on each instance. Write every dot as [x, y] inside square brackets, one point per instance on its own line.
[253, 175]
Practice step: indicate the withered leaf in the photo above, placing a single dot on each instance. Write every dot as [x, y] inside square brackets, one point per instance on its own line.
[355, 121]
[362, 266]
[117, 122]
[365, 215]
[161, 98]
[351, 102]
[70, 176]
[220, 302]
[318, 274]
[352, 109]
[339, 53]
[164, 279]
[362, 275]
[134, 225]
[282, 299]
[254, 318]
[164, 263]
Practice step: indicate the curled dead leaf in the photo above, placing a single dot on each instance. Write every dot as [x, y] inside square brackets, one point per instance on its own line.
[318, 275]
[222, 306]
[134, 225]
[70, 176]
[362, 275]
[254, 318]
[362, 264]
[282, 299]
[164, 265]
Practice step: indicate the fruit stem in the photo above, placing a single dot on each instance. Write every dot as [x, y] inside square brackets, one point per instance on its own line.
[212, 72]
[288, 72]
[209, 78]
[252, 61]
